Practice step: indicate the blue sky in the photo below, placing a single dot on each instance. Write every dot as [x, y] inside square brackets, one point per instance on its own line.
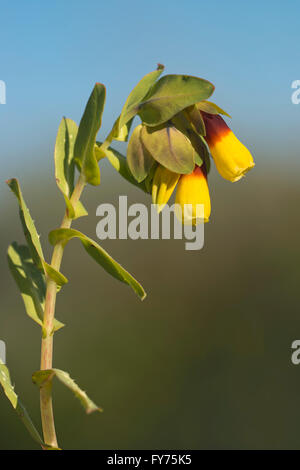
[52, 53]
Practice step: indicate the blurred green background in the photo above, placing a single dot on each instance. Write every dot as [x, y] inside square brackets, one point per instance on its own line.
[204, 361]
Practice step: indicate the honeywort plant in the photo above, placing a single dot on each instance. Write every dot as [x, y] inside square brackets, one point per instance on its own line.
[169, 147]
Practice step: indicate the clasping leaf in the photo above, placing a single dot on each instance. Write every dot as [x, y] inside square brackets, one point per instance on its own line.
[31, 282]
[62, 235]
[32, 237]
[42, 376]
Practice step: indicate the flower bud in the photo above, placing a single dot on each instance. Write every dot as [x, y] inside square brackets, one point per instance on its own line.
[231, 157]
[163, 185]
[192, 190]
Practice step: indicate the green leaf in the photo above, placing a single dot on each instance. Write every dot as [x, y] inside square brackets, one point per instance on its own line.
[171, 94]
[32, 237]
[194, 116]
[84, 151]
[183, 124]
[75, 212]
[55, 275]
[211, 108]
[29, 229]
[198, 142]
[122, 133]
[148, 181]
[138, 158]
[31, 282]
[65, 165]
[119, 163]
[64, 156]
[202, 152]
[169, 147]
[9, 391]
[42, 376]
[99, 255]
[139, 92]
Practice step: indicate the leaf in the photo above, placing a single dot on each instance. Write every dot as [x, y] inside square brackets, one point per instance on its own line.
[8, 388]
[171, 94]
[183, 124]
[42, 376]
[169, 147]
[29, 229]
[201, 151]
[65, 165]
[55, 275]
[119, 163]
[64, 156]
[31, 282]
[198, 142]
[89, 126]
[131, 106]
[32, 237]
[138, 158]
[148, 181]
[122, 133]
[75, 212]
[99, 255]
[211, 108]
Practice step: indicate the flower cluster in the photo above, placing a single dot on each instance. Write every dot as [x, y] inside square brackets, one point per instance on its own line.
[171, 148]
[176, 156]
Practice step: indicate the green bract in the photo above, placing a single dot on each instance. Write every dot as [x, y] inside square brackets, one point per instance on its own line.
[139, 159]
[172, 129]
[132, 105]
[171, 94]
[211, 108]
[194, 116]
[169, 147]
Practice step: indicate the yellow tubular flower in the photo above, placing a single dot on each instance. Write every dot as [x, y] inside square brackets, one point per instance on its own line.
[163, 185]
[231, 157]
[192, 190]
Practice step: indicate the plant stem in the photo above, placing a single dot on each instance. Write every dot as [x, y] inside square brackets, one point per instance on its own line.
[47, 339]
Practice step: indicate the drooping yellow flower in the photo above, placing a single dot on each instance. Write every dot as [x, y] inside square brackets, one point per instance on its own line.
[192, 195]
[231, 157]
